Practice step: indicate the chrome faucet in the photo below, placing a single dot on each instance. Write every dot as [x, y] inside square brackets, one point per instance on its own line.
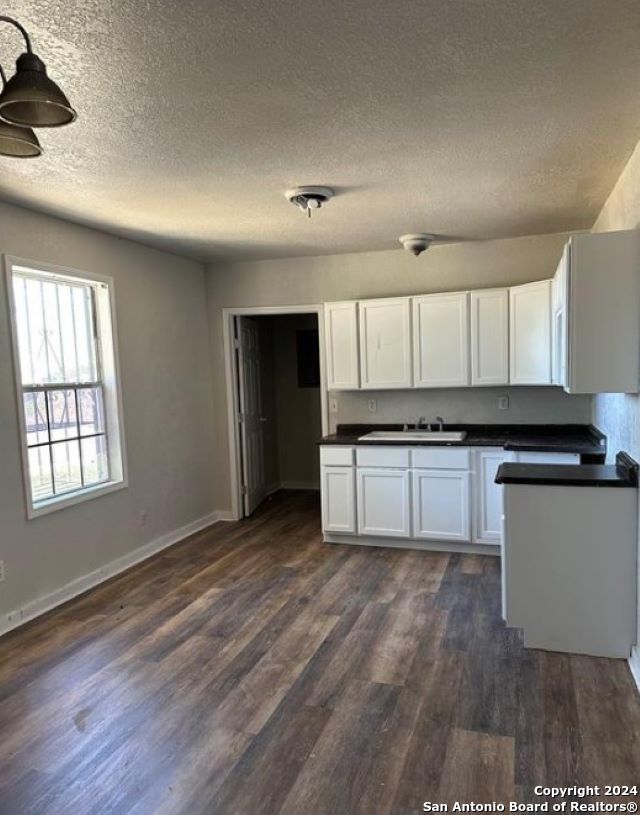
[419, 423]
[440, 421]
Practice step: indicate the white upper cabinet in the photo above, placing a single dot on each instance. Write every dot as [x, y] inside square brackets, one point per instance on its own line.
[530, 334]
[580, 331]
[341, 340]
[385, 343]
[441, 340]
[602, 324]
[490, 337]
[559, 321]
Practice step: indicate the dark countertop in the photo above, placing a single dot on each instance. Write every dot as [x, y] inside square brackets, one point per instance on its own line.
[624, 473]
[585, 440]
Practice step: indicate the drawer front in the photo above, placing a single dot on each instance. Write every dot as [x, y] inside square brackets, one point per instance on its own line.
[335, 456]
[382, 457]
[441, 458]
[530, 457]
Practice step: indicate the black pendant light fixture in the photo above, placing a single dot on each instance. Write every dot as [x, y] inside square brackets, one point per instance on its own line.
[30, 98]
[17, 142]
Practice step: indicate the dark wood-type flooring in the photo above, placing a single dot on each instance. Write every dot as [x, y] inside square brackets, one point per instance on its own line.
[255, 669]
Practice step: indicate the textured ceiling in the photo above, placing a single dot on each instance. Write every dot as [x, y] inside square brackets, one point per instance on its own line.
[471, 118]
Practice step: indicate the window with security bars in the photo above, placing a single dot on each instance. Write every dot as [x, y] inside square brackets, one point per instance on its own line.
[61, 378]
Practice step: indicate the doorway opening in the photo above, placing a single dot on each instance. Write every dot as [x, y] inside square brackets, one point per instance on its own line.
[277, 402]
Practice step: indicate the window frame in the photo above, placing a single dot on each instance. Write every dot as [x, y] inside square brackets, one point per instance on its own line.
[107, 350]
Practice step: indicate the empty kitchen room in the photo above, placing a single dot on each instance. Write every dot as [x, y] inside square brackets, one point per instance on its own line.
[319, 407]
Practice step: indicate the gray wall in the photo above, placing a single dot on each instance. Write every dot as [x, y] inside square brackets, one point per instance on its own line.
[309, 280]
[269, 405]
[541, 405]
[168, 410]
[298, 409]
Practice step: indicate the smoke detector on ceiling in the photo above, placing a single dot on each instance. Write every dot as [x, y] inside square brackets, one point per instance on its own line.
[417, 242]
[309, 198]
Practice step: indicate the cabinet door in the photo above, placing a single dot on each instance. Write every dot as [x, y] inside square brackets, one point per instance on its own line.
[338, 499]
[341, 340]
[441, 505]
[441, 340]
[530, 333]
[488, 496]
[559, 321]
[385, 343]
[384, 502]
[490, 337]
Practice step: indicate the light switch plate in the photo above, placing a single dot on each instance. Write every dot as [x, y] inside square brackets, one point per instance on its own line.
[373, 405]
[503, 403]
[333, 405]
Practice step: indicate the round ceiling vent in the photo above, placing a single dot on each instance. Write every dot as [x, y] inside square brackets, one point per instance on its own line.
[309, 198]
[417, 242]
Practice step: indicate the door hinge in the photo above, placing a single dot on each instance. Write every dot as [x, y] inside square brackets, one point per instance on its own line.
[244, 489]
[241, 417]
[236, 344]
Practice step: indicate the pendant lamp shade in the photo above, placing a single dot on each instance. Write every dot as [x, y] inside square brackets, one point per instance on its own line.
[31, 99]
[18, 142]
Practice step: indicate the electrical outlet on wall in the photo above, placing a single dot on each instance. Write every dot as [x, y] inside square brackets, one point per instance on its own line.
[503, 403]
[373, 405]
[1, 571]
[333, 404]
[144, 517]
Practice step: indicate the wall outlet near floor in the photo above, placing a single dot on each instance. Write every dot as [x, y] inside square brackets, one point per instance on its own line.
[373, 405]
[144, 517]
[1, 571]
[503, 403]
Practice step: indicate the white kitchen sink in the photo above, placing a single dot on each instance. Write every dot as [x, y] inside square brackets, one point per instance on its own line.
[414, 435]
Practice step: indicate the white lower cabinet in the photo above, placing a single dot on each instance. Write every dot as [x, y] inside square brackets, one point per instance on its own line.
[422, 493]
[488, 496]
[384, 502]
[441, 508]
[338, 497]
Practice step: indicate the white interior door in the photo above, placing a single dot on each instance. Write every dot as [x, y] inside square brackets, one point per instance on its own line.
[251, 420]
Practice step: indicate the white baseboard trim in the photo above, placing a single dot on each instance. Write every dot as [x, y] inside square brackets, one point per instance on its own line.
[35, 608]
[413, 543]
[634, 664]
[299, 485]
[225, 515]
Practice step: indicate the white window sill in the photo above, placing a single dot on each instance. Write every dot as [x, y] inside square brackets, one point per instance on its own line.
[64, 501]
